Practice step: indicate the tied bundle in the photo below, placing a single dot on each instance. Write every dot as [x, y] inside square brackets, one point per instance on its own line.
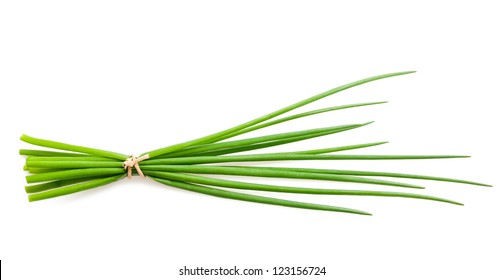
[185, 165]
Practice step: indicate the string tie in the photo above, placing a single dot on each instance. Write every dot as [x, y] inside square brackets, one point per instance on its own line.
[133, 162]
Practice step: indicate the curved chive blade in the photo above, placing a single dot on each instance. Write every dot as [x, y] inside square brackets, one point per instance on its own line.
[41, 153]
[339, 149]
[57, 184]
[224, 134]
[273, 188]
[252, 147]
[71, 158]
[293, 117]
[73, 148]
[238, 171]
[73, 174]
[268, 144]
[371, 173]
[255, 198]
[36, 170]
[304, 134]
[74, 188]
[74, 164]
[287, 156]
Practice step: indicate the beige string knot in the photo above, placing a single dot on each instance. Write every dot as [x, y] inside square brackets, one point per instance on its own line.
[133, 162]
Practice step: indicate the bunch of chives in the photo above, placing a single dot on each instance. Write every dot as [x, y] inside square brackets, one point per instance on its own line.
[76, 168]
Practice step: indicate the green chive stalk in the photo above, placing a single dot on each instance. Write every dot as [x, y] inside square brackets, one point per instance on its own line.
[71, 168]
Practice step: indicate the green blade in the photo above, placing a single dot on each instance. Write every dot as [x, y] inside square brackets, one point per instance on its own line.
[225, 133]
[56, 184]
[73, 148]
[297, 116]
[73, 164]
[290, 140]
[255, 198]
[239, 171]
[71, 158]
[287, 156]
[43, 153]
[338, 149]
[369, 173]
[274, 188]
[73, 174]
[269, 144]
[74, 188]
[36, 170]
[288, 136]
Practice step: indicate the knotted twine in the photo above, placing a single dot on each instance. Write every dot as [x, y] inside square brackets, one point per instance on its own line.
[133, 162]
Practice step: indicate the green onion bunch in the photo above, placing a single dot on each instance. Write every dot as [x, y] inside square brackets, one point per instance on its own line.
[72, 168]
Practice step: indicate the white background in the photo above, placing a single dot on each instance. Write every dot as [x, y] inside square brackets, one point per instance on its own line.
[132, 76]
